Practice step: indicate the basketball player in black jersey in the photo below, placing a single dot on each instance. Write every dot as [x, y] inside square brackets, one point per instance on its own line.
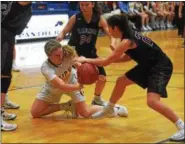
[84, 28]
[153, 70]
[14, 18]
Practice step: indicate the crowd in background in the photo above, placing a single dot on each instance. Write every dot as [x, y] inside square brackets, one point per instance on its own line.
[146, 15]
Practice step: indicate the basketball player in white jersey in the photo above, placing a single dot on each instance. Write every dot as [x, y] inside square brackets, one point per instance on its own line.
[61, 79]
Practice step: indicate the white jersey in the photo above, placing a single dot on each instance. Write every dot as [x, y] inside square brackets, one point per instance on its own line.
[66, 72]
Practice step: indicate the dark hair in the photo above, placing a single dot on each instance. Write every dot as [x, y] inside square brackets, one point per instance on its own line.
[96, 8]
[121, 21]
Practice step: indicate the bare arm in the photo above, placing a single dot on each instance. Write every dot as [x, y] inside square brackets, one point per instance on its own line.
[60, 84]
[103, 24]
[123, 58]
[117, 53]
[67, 28]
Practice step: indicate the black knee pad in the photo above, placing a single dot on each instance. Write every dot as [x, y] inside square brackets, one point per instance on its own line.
[5, 83]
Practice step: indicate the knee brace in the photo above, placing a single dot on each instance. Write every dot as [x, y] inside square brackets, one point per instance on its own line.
[5, 83]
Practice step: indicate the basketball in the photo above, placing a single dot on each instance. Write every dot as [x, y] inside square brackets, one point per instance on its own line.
[87, 74]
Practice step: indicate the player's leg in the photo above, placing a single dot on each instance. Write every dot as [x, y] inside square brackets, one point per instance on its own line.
[7, 42]
[157, 82]
[100, 84]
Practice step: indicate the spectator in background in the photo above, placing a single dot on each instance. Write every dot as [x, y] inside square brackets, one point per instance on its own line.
[138, 9]
[169, 10]
[181, 18]
[114, 7]
[162, 14]
[105, 9]
[134, 20]
[148, 8]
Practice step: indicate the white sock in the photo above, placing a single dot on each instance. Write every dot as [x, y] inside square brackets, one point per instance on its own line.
[179, 124]
[111, 104]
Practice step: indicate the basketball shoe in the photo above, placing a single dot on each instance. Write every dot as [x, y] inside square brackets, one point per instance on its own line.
[7, 116]
[71, 108]
[7, 127]
[99, 101]
[179, 136]
[10, 105]
[110, 111]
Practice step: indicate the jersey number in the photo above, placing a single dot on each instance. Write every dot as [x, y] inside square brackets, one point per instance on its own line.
[85, 39]
[144, 39]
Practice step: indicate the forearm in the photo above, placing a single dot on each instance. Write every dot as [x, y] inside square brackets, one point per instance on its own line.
[98, 62]
[69, 87]
[123, 58]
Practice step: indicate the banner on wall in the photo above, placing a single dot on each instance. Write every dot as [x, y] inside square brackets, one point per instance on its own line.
[43, 26]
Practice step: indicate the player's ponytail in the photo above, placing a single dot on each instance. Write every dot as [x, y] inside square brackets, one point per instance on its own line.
[96, 9]
[69, 52]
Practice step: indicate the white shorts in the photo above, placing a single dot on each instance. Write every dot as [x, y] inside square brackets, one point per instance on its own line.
[46, 93]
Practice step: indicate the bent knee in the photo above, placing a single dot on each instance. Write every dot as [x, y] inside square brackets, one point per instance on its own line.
[151, 103]
[35, 114]
[123, 80]
[84, 113]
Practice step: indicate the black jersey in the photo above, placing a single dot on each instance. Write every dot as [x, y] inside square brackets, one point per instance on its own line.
[147, 52]
[84, 35]
[14, 16]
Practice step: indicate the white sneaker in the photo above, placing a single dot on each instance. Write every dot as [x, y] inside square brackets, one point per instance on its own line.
[121, 111]
[7, 116]
[7, 127]
[168, 25]
[149, 28]
[144, 28]
[179, 136]
[99, 102]
[9, 105]
[107, 111]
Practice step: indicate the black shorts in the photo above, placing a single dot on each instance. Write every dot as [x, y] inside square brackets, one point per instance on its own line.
[155, 79]
[7, 45]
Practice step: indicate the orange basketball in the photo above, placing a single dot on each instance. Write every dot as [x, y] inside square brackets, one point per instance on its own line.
[87, 73]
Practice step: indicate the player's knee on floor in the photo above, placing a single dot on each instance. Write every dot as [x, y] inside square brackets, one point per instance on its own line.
[82, 110]
[102, 78]
[35, 113]
[84, 113]
[5, 83]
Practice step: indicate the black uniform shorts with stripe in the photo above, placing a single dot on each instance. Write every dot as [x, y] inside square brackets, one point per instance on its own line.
[92, 54]
[155, 79]
[7, 45]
